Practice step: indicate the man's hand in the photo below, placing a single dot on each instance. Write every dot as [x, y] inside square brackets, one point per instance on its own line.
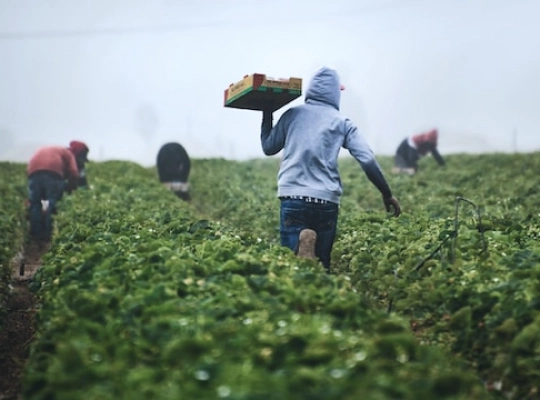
[70, 186]
[392, 203]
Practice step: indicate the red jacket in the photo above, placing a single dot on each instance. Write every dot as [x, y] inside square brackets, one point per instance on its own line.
[425, 142]
[57, 159]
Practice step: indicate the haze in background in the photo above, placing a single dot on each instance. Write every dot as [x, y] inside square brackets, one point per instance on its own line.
[126, 76]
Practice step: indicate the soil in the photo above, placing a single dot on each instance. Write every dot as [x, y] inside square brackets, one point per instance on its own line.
[18, 330]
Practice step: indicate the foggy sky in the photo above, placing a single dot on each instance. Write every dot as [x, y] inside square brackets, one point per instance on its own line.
[126, 76]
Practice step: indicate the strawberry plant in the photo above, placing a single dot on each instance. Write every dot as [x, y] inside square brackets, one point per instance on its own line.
[145, 296]
[13, 223]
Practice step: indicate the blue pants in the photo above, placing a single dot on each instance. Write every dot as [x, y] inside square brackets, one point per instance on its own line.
[297, 214]
[43, 186]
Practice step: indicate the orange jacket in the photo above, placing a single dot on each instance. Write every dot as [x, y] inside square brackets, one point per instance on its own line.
[57, 159]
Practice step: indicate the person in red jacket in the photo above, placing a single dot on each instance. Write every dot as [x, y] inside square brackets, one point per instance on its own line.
[414, 147]
[51, 171]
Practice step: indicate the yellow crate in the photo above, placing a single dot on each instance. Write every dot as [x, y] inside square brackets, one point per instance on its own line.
[258, 92]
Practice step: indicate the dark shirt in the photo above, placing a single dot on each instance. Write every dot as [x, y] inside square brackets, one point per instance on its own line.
[173, 163]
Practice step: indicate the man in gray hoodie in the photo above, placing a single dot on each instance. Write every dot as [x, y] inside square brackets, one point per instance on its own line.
[309, 186]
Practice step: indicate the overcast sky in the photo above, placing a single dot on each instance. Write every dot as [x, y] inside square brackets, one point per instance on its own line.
[126, 76]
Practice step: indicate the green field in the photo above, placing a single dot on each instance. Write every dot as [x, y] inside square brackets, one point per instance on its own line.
[143, 296]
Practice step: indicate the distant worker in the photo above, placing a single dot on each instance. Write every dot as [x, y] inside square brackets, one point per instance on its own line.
[80, 150]
[51, 171]
[173, 165]
[413, 148]
[309, 186]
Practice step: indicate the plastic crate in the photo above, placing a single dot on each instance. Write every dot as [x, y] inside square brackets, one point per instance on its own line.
[258, 92]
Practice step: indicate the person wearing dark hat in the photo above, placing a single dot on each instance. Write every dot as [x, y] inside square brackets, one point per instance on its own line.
[309, 185]
[413, 148]
[50, 171]
[173, 165]
[80, 151]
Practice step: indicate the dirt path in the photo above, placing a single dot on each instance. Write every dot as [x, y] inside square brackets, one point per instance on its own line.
[18, 330]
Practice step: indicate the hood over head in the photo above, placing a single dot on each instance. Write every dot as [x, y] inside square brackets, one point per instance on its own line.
[429, 137]
[325, 87]
[432, 136]
[79, 149]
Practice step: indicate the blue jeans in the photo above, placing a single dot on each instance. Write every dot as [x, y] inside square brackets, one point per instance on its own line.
[43, 185]
[297, 214]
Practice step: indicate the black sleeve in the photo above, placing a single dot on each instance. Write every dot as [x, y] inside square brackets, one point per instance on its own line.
[375, 175]
[437, 156]
[82, 182]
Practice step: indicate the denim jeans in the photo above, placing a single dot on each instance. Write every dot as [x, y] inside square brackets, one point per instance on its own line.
[43, 186]
[297, 214]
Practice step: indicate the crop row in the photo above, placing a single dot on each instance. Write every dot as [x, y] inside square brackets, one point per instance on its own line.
[12, 224]
[141, 298]
[462, 262]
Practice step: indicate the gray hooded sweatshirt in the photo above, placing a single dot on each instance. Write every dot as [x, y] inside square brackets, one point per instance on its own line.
[311, 136]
